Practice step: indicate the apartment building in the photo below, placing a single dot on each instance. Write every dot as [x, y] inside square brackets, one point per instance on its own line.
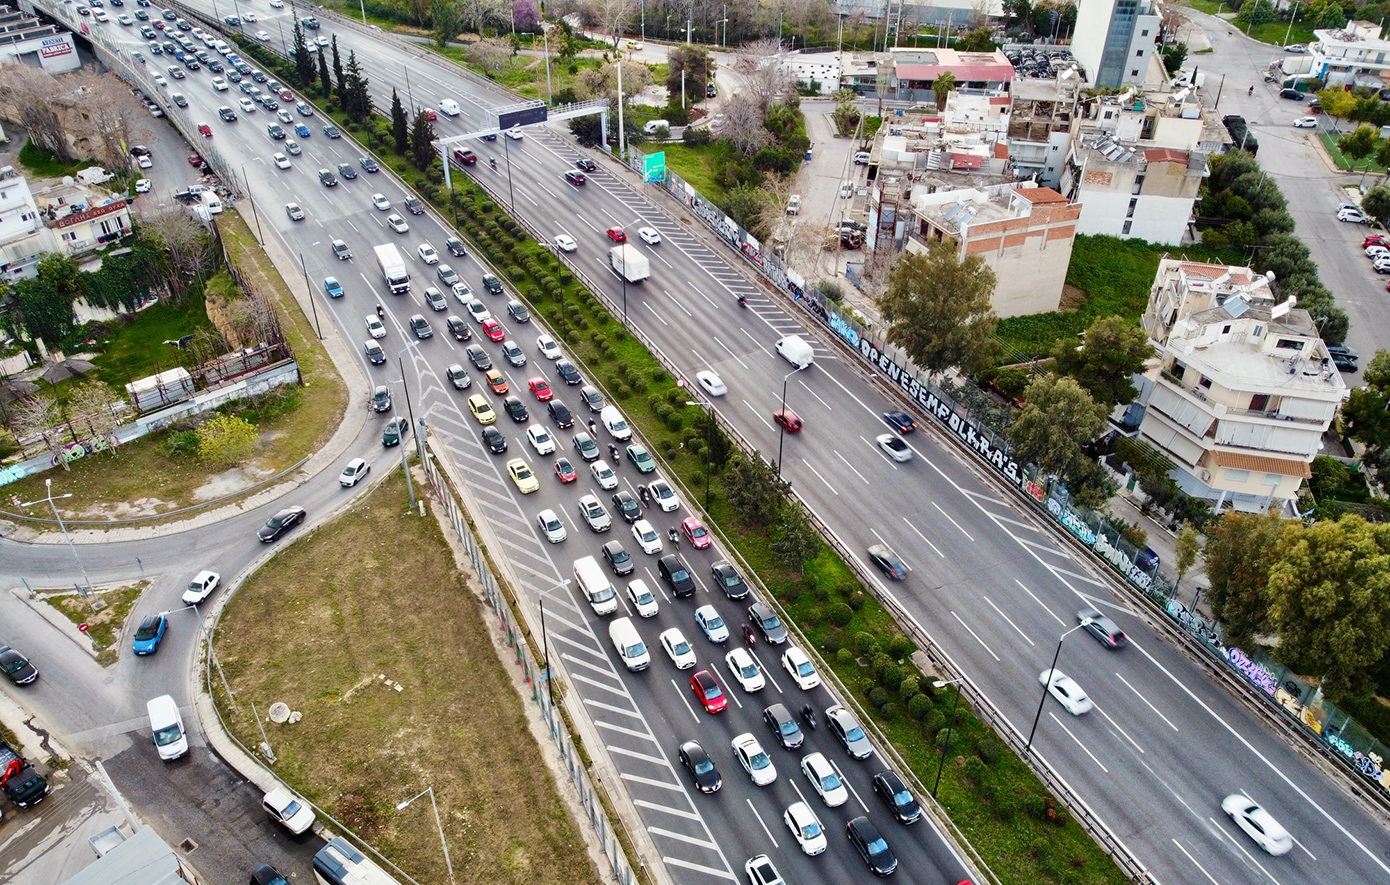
[1116, 41]
[1355, 55]
[1040, 125]
[1128, 190]
[69, 217]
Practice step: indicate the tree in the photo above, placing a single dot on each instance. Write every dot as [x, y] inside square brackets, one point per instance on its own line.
[338, 76]
[303, 61]
[358, 102]
[794, 540]
[422, 142]
[1058, 418]
[743, 125]
[226, 440]
[325, 84]
[1256, 14]
[763, 78]
[1113, 351]
[1239, 554]
[92, 408]
[1332, 17]
[400, 124]
[1330, 600]
[755, 490]
[445, 21]
[1357, 146]
[1376, 202]
[1336, 103]
[490, 55]
[525, 16]
[938, 309]
[846, 115]
[942, 87]
[691, 63]
[183, 239]
[1173, 58]
[976, 40]
[1188, 546]
[38, 415]
[1366, 414]
[720, 448]
[45, 301]
[611, 17]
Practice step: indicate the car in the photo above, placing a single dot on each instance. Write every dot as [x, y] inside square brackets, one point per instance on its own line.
[552, 529]
[726, 576]
[294, 212]
[1066, 691]
[380, 202]
[492, 284]
[521, 474]
[1102, 628]
[900, 421]
[285, 809]
[1352, 216]
[627, 506]
[247, 106]
[806, 830]
[340, 250]
[745, 670]
[702, 770]
[195, 161]
[890, 787]
[493, 439]
[367, 163]
[176, 73]
[565, 243]
[659, 490]
[301, 130]
[420, 326]
[465, 157]
[292, 148]
[707, 618]
[1376, 249]
[888, 562]
[1292, 94]
[477, 310]
[148, 634]
[496, 381]
[760, 870]
[353, 473]
[281, 522]
[514, 408]
[513, 353]
[144, 162]
[594, 515]
[1372, 240]
[205, 130]
[540, 388]
[798, 665]
[894, 447]
[327, 179]
[333, 288]
[711, 382]
[413, 205]
[560, 414]
[847, 729]
[617, 235]
[565, 471]
[586, 164]
[540, 439]
[481, 409]
[478, 357]
[1306, 123]
[427, 254]
[125, 19]
[281, 161]
[865, 838]
[514, 133]
[575, 177]
[567, 372]
[1295, 47]
[445, 273]
[765, 619]
[696, 533]
[332, 131]
[586, 447]
[143, 185]
[825, 780]
[707, 689]
[648, 539]
[638, 455]
[676, 576]
[517, 311]
[397, 223]
[754, 759]
[435, 299]
[381, 399]
[677, 648]
[787, 419]
[604, 475]
[265, 874]
[396, 430]
[642, 599]
[1258, 824]
[458, 377]
[493, 329]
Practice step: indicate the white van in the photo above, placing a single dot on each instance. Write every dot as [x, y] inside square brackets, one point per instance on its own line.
[653, 125]
[794, 205]
[795, 350]
[629, 645]
[594, 584]
[167, 725]
[213, 204]
[613, 420]
[450, 107]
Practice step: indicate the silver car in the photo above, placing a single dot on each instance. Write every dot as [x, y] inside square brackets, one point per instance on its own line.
[844, 726]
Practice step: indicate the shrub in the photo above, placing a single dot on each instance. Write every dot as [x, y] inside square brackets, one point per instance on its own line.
[919, 706]
[831, 643]
[932, 723]
[840, 614]
[878, 663]
[892, 709]
[988, 750]
[909, 686]
[856, 600]
[844, 657]
[865, 643]
[675, 420]
[899, 647]
[891, 677]
[697, 137]
[878, 696]
[183, 442]
[1006, 804]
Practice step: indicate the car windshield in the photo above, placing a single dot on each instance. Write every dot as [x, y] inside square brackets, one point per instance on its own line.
[166, 736]
[552, 525]
[712, 691]
[810, 830]
[789, 726]
[680, 574]
[621, 555]
[830, 782]
[855, 734]
[772, 622]
[291, 809]
[523, 472]
[902, 797]
[878, 846]
[805, 669]
[14, 665]
[715, 622]
[595, 510]
[703, 766]
[148, 628]
[748, 670]
[759, 760]
[699, 531]
[648, 536]
[682, 648]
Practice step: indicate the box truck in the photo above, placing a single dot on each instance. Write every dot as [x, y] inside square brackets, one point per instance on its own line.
[632, 264]
[393, 271]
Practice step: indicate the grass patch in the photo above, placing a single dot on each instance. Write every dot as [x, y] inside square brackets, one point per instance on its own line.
[1273, 33]
[104, 626]
[1365, 164]
[1207, 6]
[333, 625]
[46, 164]
[137, 349]
[699, 166]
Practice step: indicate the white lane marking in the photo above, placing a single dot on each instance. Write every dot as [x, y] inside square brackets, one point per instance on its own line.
[1063, 726]
[1146, 702]
[767, 674]
[953, 522]
[676, 301]
[680, 693]
[844, 780]
[1241, 848]
[756, 342]
[688, 815]
[818, 476]
[680, 837]
[850, 466]
[1025, 589]
[923, 537]
[646, 781]
[771, 838]
[702, 295]
[699, 868]
[812, 391]
[732, 354]
[645, 757]
[714, 671]
[977, 638]
[1007, 618]
[759, 415]
[1117, 726]
[627, 731]
[586, 223]
[1195, 864]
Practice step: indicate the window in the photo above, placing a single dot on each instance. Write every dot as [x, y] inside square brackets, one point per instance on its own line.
[1237, 475]
[1134, 73]
[1124, 232]
[1204, 383]
[1130, 212]
[1289, 344]
[1226, 329]
[1144, 33]
[1139, 53]
[1054, 147]
[1259, 402]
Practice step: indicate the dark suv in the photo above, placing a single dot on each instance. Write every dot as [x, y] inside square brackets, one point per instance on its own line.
[676, 576]
[346, 170]
[326, 178]
[414, 206]
[618, 559]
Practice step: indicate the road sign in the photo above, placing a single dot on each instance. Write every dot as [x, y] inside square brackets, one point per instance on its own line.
[654, 167]
[82, 627]
[522, 116]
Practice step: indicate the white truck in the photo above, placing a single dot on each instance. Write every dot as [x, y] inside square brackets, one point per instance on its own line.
[627, 261]
[393, 271]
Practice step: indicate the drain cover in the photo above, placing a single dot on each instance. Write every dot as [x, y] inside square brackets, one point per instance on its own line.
[189, 846]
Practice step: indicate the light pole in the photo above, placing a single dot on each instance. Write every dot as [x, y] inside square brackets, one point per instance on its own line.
[400, 806]
[545, 641]
[782, 428]
[307, 285]
[48, 486]
[1029, 748]
[1289, 30]
[405, 465]
[946, 746]
[246, 179]
[709, 431]
[545, 36]
[507, 150]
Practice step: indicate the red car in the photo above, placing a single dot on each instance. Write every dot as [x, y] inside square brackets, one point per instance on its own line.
[205, 130]
[429, 114]
[541, 388]
[195, 161]
[709, 692]
[494, 329]
[696, 533]
[788, 419]
[617, 235]
[465, 157]
[1374, 240]
[565, 470]
[159, 26]
[287, 95]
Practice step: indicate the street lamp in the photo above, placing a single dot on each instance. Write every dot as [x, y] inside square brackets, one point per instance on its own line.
[545, 642]
[1085, 622]
[709, 431]
[48, 486]
[507, 150]
[947, 745]
[782, 428]
[545, 35]
[405, 464]
[401, 806]
[564, 320]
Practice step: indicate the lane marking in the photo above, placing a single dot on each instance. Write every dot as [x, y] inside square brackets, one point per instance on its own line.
[1006, 618]
[699, 868]
[1025, 589]
[771, 838]
[1063, 726]
[923, 537]
[977, 638]
[680, 837]
[953, 522]
[1195, 864]
[1117, 726]
[818, 476]
[688, 815]
[850, 466]
[1146, 702]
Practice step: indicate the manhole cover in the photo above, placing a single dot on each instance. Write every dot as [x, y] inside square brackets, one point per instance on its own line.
[279, 712]
[189, 846]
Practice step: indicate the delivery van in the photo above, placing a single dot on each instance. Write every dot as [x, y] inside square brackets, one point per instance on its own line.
[795, 350]
[167, 725]
[595, 586]
[450, 107]
[626, 641]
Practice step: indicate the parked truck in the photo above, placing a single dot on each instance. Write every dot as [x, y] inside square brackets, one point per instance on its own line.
[25, 786]
[393, 271]
[632, 264]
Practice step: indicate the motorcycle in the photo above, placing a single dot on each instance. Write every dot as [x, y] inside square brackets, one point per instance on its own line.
[380, 312]
[491, 162]
[809, 715]
[742, 301]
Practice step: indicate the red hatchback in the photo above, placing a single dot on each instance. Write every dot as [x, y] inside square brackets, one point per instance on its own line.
[195, 161]
[429, 114]
[494, 329]
[696, 533]
[465, 157]
[565, 470]
[788, 419]
[205, 130]
[709, 692]
[1374, 240]
[617, 235]
[541, 388]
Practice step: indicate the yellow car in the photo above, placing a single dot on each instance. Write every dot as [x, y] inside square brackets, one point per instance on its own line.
[525, 480]
[634, 45]
[481, 409]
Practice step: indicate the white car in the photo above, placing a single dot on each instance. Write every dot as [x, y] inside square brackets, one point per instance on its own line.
[541, 440]
[143, 185]
[374, 327]
[201, 587]
[679, 649]
[1354, 216]
[219, 84]
[613, 421]
[288, 811]
[160, 81]
[604, 475]
[551, 527]
[565, 243]
[125, 20]
[101, 16]
[513, 133]
[281, 161]
[800, 668]
[649, 235]
[1306, 123]
[711, 382]
[894, 447]
[760, 870]
[708, 620]
[1257, 824]
[427, 254]
[263, 36]
[1373, 250]
[642, 598]
[277, 4]
[247, 107]
[548, 348]
[594, 514]
[806, 829]
[322, 41]
[647, 538]
[248, 17]
[1066, 691]
[477, 310]
[825, 780]
[145, 162]
[745, 669]
[380, 201]
[397, 223]
[353, 473]
[462, 292]
[754, 759]
[662, 496]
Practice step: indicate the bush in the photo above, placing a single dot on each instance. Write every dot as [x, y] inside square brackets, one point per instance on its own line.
[697, 137]
[988, 750]
[878, 696]
[844, 657]
[865, 643]
[856, 600]
[899, 647]
[909, 686]
[975, 771]
[891, 677]
[181, 443]
[919, 706]
[879, 662]
[840, 614]
[831, 643]
[932, 723]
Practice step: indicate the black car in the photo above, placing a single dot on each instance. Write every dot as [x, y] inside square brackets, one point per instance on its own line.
[280, 523]
[381, 399]
[888, 562]
[326, 178]
[576, 177]
[617, 558]
[586, 447]
[767, 622]
[515, 408]
[675, 575]
[492, 284]
[368, 164]
[783, 725]
[17, 666]
[1345, 363]
[627, 506]
[900, 421]
[396, 430]
[494, 440]
[265, 874]
[455, 247]
[590, 396]
[345, 170]
[227, 114]
[567, 372]
[729, 580]
[458, 328]
[701, 767]
[517, 311]
[331, 131]
[586, 164]
[478, 357]
[413, 205]
[891, 788]
[871, 846]
[560, 414]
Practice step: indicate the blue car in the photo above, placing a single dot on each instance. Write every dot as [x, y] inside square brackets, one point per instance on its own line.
[301, 130]
[149, 633]
[332, 287]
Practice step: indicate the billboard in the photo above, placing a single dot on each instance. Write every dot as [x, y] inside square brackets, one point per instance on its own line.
[654, 167]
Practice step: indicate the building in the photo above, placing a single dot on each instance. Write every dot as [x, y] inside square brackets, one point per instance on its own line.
[1243, 388]
[1040, 125]
[956, 14]
[24, 39]
[1353, 55]
[988, 74]
[144, 858]
[1024, 233]
[1116, 41]
[69, 217]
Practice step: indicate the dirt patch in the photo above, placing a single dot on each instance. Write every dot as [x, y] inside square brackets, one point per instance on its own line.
[104, 626]
[229, 482]
[1072, 299]
[127, 509]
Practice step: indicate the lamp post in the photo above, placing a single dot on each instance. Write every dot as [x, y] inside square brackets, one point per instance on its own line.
[48, 486]
[400, 806]
[307, 285]
[1029, 748]
[1289, 30]
[507, 150]
[545, 36]
[564, 331]
[545, 641]
[247, 179]
[709, 431]
[947, 745]
[405, 465]
[782, 428]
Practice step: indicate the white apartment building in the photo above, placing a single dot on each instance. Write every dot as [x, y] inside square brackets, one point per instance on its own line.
[70, 218]
[1355, 54]
[26, 40]
[1130, 191]
[1116, 41]
[21, 227]
[1242, 390]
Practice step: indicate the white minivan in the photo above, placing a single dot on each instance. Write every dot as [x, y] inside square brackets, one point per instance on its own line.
[595, 586]
[450, 107]
[653, 125]
[613, 420]
[167, 725]
[795, 350]
[629, 645]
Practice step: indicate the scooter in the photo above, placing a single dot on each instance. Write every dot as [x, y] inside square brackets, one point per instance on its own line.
[492, 162]
[742, 301]
[380, 312]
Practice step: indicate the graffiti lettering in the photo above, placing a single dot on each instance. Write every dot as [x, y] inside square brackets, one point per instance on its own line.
[1071, 521]
[1339, 745]
[1256, 673]
[11, 474]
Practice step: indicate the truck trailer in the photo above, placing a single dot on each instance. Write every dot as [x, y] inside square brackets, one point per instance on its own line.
[393, 271]
[632, 264]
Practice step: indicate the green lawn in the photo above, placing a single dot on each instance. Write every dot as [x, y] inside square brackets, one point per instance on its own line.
[697, 165]
[45, 164]
[1329, 141]
[1273, 33]
[137, 349]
